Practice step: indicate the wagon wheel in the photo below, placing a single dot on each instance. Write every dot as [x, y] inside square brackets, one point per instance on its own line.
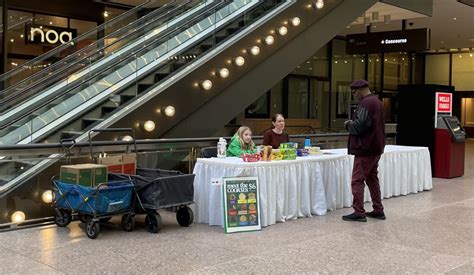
[128, 222]
[153, 222]
[62, 217]
[185, 216]
[92, 229]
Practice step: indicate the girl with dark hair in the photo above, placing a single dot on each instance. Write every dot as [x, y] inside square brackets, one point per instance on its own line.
[275, 136]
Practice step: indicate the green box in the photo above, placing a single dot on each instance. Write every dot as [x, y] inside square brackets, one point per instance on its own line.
[88, 174]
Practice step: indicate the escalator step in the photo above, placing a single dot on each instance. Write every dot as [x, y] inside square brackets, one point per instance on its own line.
[219, 39]
[126, 98]
[87, 122]
[107, 110]
[205, 47]
[232, 30]
[176, 66]
[160, 76]
[143, 87]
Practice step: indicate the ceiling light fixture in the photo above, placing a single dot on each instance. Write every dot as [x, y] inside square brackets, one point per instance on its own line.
[318, 4]
[127, 138]
[223, 72]
[239, 61]
[170, 111]
[47, 196]
[206, 84]
[295, 21]
[269, 40]
[18, 216]
[149, 125]
[255, 50]
[282, 30]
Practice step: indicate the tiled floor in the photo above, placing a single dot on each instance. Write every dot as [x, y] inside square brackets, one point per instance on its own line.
[428, 232]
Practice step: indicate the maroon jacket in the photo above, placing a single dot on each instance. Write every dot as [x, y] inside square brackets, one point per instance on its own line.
[367, 128]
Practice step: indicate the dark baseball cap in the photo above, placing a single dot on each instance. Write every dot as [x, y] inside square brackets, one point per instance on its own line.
[360, 83]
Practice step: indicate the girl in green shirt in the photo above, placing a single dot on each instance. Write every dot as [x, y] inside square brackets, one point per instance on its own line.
[241, 143]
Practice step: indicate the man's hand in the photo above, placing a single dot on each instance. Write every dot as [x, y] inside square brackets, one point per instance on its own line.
[347, 122]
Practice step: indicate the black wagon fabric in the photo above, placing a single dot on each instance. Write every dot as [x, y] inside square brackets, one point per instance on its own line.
[159, 188]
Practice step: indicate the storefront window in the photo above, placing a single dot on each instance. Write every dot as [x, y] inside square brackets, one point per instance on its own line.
[463, 71]
[437, 69]
[374, 72]
[417, 68]
[298, 93]
[396, 70]
[345, 69]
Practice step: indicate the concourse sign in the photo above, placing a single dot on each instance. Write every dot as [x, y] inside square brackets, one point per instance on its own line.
[241, 204]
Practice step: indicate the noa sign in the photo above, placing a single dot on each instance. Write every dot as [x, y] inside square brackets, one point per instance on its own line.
[444, 102]
[48, 35]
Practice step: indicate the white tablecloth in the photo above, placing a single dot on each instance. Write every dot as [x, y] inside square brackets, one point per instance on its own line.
[308, 185]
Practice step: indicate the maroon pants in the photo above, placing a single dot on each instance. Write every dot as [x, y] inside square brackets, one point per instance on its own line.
[365, 170]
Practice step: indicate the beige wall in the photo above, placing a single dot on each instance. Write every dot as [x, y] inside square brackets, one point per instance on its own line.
[437, 69]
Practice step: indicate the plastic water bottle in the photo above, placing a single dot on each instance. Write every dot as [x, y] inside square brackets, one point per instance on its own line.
[307, 142]
[221, 148]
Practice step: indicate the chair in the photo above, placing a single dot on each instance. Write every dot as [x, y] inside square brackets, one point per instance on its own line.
[209, 152]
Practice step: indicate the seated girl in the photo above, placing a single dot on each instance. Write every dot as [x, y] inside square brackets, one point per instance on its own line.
[241, 143]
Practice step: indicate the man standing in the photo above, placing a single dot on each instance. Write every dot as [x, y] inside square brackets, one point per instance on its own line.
[366, 142]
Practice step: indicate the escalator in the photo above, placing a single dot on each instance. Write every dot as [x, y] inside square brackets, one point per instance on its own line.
[176, 80]
[25, 96]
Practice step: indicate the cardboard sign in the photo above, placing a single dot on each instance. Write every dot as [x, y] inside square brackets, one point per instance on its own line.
[241, 204]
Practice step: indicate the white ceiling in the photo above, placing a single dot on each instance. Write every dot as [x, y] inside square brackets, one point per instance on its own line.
[446, 32]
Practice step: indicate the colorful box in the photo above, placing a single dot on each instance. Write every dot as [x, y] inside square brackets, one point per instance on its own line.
[122, 164]
[87, 174]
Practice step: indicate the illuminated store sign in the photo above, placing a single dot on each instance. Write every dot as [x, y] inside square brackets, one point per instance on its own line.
[393, 41]
[48, 35]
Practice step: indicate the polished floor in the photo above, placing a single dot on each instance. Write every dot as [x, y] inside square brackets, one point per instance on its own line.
[429, 232]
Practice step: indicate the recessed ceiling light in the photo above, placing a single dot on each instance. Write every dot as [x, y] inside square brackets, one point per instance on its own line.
[454, 18]
[295, 21]
[239, 61]
[269, 40]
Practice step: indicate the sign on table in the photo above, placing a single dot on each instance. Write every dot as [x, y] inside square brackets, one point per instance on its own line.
[241, 206]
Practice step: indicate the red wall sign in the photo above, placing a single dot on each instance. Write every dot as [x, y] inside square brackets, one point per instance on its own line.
[443, 102]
